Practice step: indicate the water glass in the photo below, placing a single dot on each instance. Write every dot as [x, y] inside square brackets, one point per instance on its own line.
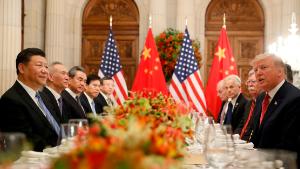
[77, 127]
[11, 146]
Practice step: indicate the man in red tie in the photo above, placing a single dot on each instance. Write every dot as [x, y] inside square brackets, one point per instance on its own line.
[277, 109]
[245, 124]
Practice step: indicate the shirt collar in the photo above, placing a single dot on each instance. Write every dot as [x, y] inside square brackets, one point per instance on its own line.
[28, 89]
[74, 95]
[233, 100]
[90, 100]
[272, 92]
[56, 95]
[104, 95]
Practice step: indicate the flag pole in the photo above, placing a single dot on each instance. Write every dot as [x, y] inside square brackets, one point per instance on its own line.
[150, 21]
[186, 21]
[110, 21]
[224, 21]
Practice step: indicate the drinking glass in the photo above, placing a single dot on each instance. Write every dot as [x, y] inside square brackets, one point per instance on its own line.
[77, 127]
[219, 149]
[11, 146]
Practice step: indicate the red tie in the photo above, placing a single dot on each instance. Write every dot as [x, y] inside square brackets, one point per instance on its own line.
[248, 119]
[264, 108]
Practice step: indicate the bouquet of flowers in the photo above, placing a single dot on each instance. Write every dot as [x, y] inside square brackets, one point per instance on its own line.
[147, 131]
[168, 45]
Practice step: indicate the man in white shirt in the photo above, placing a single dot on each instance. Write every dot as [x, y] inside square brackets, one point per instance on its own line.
[277, 110]
[105, 97]
[235, 107]
[24, 108]
[72, 107]
[57, 81]
[92, 90]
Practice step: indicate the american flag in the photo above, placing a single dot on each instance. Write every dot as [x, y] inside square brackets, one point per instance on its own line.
[186, 84]
[110, 66]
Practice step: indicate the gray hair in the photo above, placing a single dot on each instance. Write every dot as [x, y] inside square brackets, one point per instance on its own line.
[234, 78]
[74, 69]
[220, 84]
[50, 68]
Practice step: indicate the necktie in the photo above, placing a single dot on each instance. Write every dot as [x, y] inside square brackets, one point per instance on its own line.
[48, 115]
[59, 100]
[78, 101]
[264, 108]
[109, 102]
[93, 107]
[228, 114]
[248, 119]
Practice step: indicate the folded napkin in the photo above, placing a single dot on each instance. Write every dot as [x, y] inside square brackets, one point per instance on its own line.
[247, 146]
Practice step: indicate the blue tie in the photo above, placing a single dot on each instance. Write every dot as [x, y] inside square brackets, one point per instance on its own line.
[93, 107]
[60, 105]
[228, 114]
[48, 114]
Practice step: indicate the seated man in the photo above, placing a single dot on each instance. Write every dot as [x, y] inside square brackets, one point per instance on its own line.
[105, 96]
[277, 110]
[72, 108]
[25, 109]
[235, 105]
[92, 90]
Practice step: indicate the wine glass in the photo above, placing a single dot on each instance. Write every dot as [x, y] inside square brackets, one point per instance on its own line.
[219, 148]
[11, 146]
[77, 127]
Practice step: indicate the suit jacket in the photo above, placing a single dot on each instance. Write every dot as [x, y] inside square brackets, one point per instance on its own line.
[53, 102]
[100, 102]
[19, 113]
[279, 128]
[245, 117]
[85, 103]
[237, 112]
[71, 109]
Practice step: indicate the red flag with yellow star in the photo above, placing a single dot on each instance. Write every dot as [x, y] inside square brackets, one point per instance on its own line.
[149, 76]
[222, 66]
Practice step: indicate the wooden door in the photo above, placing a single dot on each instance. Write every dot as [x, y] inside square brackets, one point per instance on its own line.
[245, 30]
[95, 30]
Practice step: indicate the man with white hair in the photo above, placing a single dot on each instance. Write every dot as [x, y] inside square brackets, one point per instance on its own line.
[221, 92]
[277, 109]
[236, 102]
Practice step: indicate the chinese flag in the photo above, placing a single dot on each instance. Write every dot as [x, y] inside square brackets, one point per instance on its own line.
[223, 65]
[149, 76]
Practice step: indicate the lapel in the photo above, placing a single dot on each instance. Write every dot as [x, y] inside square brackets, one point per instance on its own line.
[85, 103]
[26, 98]
[71, 101]
[237, 104]
[52, 100]
[273, 108]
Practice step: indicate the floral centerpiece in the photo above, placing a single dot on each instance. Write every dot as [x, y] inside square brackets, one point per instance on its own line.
[168, 45]
[147, 131]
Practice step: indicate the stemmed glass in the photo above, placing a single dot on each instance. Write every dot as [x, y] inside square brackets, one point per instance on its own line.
[77, 127]
[11, 146]
[219, 146]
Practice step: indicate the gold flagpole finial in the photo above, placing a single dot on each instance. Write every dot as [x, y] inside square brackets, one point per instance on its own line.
[186, 21]
[150, 21]
[110, 21]
[224, 21]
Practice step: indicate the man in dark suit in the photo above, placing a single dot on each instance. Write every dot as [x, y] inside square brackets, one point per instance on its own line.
[277, 110]
[235, 106]
[92, 90]
[57, 81]
[105, 96]
[24, 108]
[72, 108]
[246, 122]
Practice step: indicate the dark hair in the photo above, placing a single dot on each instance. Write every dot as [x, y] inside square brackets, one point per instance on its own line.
[92, 77]
[25, 55]
[74, 69]
[289, 73]
[105, 78]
